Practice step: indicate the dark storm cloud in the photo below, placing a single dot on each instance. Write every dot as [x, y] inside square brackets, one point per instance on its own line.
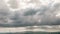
[30, 12]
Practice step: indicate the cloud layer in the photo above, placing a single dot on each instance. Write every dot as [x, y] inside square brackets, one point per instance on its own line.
[30, 13]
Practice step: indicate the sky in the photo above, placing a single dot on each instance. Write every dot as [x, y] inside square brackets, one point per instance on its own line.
[30, 12]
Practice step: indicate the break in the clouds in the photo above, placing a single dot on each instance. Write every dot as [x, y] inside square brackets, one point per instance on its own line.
[29, 12]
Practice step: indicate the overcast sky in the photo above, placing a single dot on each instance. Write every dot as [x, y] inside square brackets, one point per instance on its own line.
[30, 12]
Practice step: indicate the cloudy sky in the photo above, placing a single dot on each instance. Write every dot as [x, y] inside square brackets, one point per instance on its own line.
[29, 12]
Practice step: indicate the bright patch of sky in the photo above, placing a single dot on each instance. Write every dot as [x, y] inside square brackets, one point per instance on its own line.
[23, 4]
